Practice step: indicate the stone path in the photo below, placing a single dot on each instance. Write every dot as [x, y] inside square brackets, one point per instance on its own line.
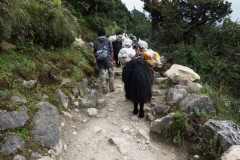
[115, 133]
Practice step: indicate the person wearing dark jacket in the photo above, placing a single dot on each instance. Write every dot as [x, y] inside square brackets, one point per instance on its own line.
[117, 46]
[107, 63]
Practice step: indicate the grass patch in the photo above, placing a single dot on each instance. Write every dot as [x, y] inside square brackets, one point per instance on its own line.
[226, 106]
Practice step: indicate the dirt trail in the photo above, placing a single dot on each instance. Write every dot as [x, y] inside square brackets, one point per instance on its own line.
[87, 138]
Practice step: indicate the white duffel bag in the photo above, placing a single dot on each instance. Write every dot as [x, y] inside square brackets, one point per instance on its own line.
[126, 54]
[142, 44]
[127, 43]
[112, 38]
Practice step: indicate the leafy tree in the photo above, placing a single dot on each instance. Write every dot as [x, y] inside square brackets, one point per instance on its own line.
[180, 20]
[57, 2]
[102, 13]
[121, 16]
[222, 42]
[142, 25]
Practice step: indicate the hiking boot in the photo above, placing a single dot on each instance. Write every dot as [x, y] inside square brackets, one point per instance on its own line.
[104, 91]
[112, 89]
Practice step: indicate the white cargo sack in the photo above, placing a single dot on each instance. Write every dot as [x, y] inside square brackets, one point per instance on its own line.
[143, 44]
[112, 38]
[127, 43]
[126, 54]
[150, 52]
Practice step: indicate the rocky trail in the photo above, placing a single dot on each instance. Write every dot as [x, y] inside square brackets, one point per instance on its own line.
[115, 133]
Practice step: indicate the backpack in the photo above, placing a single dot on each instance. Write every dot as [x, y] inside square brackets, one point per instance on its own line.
[101, 54]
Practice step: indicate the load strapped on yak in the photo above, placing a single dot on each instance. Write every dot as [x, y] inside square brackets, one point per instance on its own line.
[152, 57]
[127, 53]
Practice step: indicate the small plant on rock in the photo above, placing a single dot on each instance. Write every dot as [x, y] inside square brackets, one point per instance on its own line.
[209, 148]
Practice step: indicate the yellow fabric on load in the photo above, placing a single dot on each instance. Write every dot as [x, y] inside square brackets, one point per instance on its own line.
[148, 58]
[152, 60]
[157, 57]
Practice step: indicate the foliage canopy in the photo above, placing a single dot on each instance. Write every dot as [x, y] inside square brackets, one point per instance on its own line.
[184, 18]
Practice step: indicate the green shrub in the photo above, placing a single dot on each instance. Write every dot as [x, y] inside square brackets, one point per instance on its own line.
[38, 22]
[226, 106]
[209, 148]
[23, 133]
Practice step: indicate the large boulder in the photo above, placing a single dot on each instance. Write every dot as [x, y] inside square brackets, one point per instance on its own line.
[11, 144]
[228, 132]
[190, 85]
[178, 72]
[233, 153]
[200, 102]
[46, 129]
[14, 119]
[174, 95]
[160, 124]
[162, 108]
[90, 99]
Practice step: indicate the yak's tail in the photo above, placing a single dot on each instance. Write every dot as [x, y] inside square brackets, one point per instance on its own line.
[138, 80]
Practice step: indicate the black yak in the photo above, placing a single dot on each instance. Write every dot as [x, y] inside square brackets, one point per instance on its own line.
[138, 79]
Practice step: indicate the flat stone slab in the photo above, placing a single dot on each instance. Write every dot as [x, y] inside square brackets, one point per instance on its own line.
[14, 119]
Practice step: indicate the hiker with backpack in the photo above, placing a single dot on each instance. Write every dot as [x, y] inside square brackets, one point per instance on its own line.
[107, 62]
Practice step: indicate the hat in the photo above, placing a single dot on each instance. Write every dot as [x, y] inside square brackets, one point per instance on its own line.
[101, 32]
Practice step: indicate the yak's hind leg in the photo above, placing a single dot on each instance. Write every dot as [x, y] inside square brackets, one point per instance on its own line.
[135, 110]
[141, 113]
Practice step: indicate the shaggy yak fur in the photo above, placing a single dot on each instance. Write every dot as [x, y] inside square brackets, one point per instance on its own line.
[138, 80]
